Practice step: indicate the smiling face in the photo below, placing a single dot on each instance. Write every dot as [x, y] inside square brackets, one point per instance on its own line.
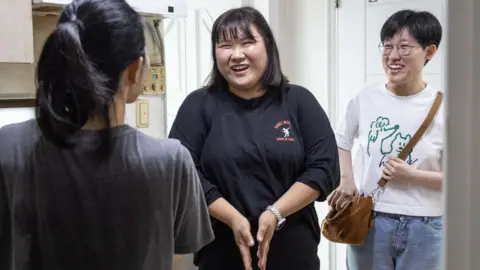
[242, 60]
[404, 58]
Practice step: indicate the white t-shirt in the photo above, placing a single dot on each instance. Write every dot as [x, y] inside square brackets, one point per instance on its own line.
[383, 123]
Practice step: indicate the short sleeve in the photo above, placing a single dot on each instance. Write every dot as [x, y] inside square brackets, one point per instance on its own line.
[192, 228]
[347, 128]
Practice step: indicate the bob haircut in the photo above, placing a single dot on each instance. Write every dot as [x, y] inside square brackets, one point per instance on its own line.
[422, 25]
[237, 23]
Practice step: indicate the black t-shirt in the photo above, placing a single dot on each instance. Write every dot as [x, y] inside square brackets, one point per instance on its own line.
[250, 152]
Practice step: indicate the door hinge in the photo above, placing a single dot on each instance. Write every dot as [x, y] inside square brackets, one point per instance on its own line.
[337, 3]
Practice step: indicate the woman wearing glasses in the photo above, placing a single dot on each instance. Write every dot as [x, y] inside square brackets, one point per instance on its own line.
[383, 117]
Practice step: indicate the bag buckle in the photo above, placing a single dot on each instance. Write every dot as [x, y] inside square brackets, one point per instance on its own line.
[374, 192]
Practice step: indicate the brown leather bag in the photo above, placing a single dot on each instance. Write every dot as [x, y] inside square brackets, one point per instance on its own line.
[351, 224]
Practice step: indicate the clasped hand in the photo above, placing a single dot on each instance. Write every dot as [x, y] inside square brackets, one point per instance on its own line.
[395, 169]
[398, 170]
[267, 224]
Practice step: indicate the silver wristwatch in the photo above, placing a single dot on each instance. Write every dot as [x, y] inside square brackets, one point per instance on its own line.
[281, 220]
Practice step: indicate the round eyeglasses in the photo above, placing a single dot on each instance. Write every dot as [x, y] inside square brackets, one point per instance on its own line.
[403, 48]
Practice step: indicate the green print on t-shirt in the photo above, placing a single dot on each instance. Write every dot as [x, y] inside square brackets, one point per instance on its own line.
[392, 141]
[380, 128]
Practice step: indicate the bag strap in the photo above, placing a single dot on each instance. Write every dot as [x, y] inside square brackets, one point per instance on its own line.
[421, 130]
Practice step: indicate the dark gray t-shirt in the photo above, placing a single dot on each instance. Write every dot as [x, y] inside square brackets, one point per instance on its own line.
[65, 209]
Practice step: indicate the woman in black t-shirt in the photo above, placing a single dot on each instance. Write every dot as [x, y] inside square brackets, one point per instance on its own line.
[264, 150]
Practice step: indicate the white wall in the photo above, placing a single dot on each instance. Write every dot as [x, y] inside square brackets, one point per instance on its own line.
[15, 115]
[301, 30]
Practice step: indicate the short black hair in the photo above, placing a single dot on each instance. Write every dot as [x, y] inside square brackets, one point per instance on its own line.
[80, 66]
[422, 25]
[236, 22]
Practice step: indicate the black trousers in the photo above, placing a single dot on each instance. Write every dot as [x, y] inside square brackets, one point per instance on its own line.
[294, 247]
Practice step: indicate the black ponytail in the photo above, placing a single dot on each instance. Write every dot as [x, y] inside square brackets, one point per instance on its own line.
[81, 63]
[68, 84]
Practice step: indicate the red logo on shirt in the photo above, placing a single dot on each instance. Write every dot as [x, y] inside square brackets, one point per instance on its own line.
[284, 126]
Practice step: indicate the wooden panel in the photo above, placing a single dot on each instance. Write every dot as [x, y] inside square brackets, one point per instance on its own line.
[17, 103]
[16, 43]
[17, 81]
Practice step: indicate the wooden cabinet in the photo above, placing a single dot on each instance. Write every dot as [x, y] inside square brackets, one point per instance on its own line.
[16, 31]
[17, 80]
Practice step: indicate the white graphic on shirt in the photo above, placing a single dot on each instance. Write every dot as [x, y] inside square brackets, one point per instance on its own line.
[286, 132]
[284, 127]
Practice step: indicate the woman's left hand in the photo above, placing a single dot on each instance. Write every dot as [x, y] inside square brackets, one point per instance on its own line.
[398, 170]
[267, 225]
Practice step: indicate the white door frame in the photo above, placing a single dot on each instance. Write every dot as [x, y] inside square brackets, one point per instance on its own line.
[333, 94]
[333, 62]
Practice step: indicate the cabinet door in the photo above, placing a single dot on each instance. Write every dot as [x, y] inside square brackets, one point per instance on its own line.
[16, 31]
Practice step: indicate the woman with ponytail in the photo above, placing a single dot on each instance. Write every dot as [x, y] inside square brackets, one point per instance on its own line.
[79, 188]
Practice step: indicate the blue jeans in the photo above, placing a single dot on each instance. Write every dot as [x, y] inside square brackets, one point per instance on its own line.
[399, 242]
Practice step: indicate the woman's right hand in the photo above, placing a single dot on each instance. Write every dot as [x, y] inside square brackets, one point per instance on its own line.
[345, 191]
[243, 238]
